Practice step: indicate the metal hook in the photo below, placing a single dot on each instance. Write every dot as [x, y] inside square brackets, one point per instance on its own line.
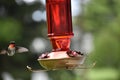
[30, 69]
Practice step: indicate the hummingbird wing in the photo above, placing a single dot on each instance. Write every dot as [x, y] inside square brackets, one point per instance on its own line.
[20, 49]
[3, 52]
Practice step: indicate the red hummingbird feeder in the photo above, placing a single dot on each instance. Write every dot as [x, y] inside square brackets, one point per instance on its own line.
[59, 22]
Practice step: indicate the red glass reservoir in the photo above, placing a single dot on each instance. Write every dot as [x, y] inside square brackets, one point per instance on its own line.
[59, 22]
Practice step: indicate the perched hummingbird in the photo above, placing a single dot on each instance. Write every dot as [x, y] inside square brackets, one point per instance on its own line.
[72, 53]
[44, 55]
[12, 49]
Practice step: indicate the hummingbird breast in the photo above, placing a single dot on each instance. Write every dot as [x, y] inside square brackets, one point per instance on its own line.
[11, 51]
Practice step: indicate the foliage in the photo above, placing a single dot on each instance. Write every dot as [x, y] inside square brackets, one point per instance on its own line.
[101, 18]
[10, 29]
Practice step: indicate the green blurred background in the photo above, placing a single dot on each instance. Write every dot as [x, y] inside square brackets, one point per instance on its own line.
[96, 29]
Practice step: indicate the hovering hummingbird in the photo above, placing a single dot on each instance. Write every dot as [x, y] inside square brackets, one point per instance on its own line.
[12, 49]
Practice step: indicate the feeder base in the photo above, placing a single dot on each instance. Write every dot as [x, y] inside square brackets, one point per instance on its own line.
[60, 60]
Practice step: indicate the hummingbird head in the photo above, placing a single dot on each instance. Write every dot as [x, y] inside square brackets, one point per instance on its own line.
[12, 44]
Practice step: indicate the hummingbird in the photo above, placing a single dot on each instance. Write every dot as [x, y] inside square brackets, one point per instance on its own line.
[44, 55]
[12, 49]
[73, 53]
